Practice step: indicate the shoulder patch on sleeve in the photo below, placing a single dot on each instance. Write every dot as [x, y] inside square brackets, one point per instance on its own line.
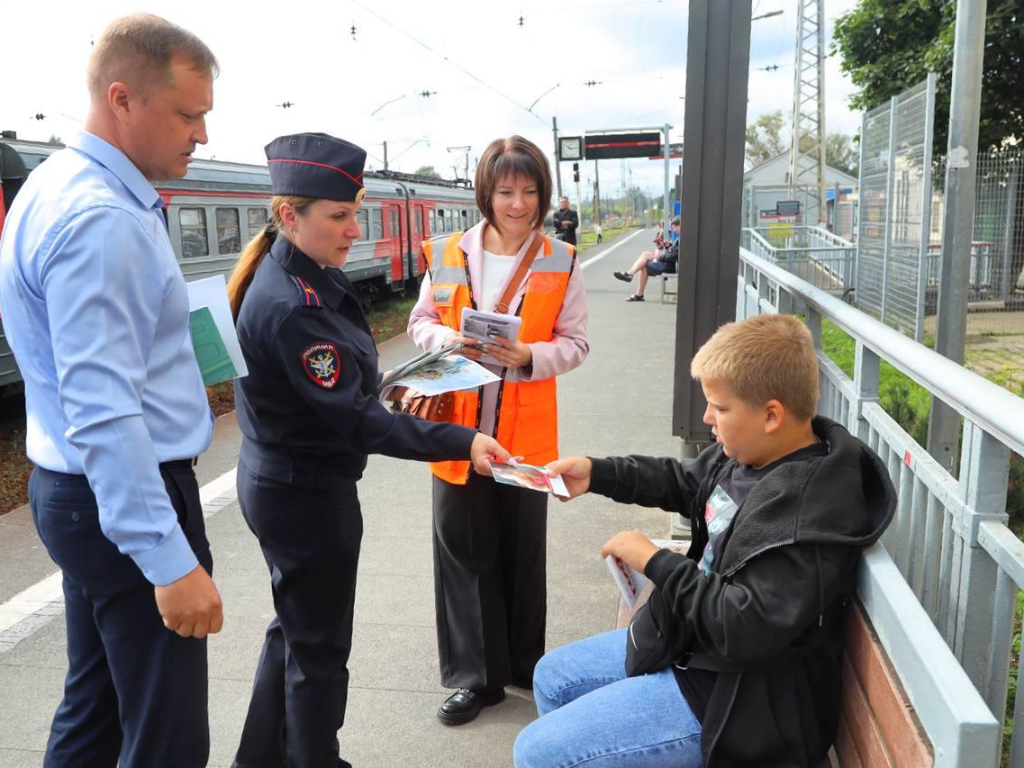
[308, 297]
[322, 363]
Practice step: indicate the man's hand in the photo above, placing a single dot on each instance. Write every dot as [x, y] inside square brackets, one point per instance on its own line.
[565, 224]
[486, 447]
[511, 354]
[191, 605]
[471, 349]
[632, 548]
[575, 473]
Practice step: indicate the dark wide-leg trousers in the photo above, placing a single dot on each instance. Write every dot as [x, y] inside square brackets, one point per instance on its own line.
[310, 538]
[135, 691]
[490, 582]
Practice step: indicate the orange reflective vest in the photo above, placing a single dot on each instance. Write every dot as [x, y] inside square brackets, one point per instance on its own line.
[526, 422]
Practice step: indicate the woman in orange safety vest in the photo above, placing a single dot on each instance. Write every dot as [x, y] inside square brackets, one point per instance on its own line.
[490, 539]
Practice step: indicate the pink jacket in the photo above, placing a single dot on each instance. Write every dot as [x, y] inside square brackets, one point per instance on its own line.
[566, 350]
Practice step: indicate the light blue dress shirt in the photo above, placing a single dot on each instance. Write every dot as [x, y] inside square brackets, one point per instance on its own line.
[95, 309]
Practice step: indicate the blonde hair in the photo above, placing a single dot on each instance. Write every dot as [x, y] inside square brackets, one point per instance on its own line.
[139, 50]
[258, 247]
[768, 357]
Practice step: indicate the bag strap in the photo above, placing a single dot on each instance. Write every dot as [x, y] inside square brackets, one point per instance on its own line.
[519, 274]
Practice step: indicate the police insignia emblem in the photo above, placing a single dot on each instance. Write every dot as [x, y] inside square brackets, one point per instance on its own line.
[321, 363]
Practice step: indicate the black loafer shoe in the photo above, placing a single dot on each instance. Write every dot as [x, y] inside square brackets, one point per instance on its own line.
[464, 705]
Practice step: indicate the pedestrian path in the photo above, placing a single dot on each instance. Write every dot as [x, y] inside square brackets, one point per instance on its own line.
[618, 402]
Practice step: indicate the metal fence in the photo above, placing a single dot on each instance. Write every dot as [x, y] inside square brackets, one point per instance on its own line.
[948, 567]
[818, 256]
[896, 209]
[996, 281]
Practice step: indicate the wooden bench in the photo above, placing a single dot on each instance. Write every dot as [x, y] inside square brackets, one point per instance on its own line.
[878, 727]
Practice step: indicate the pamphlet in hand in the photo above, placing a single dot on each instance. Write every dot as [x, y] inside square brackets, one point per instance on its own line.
[435, 372]
[213, 331]
[631, 582]
[485, 326]
[528, 476]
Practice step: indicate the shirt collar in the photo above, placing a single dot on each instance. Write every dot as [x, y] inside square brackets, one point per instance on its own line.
[117, 162]
[299, 264]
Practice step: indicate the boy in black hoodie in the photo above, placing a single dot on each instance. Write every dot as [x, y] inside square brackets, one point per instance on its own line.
[779, 511]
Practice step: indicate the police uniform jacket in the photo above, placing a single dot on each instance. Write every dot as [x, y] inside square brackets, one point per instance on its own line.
[308, 407]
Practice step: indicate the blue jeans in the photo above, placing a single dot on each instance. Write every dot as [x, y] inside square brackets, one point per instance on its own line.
[592, 714]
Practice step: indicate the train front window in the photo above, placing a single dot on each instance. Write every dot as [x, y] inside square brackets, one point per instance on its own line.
[194, 242]
[229, 237]
[376, 224]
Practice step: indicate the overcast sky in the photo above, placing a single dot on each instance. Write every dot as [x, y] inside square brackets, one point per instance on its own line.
[305, 53]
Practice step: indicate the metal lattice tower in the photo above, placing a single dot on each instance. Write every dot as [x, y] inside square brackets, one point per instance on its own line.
[807, 145]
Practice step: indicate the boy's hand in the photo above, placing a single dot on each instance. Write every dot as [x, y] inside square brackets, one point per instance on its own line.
[575, 473]
[632, 548]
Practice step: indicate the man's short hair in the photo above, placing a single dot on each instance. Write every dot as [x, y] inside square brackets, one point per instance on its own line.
[519, 157]
[139, 49]
[762, 358]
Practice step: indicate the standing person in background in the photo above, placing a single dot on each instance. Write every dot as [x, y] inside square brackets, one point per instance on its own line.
[96, 311]
[567, 221]
[489, 539]
[599, 232]
[309, 416]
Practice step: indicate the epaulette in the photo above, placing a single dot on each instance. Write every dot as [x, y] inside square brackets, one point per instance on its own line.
[308, 297]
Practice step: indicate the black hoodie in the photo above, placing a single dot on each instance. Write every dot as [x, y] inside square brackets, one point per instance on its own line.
[788, 561]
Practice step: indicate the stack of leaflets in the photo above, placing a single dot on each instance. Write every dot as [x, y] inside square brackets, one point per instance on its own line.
[213, 332]
[435, 372]
[484, 327]
[528, 476]
[630, 581]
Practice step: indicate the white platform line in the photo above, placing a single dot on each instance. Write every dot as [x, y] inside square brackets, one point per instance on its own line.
[604, 253]
[32, 609]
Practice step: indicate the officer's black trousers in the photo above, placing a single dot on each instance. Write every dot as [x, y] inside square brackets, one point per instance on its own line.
[310, 539]
[490, 583]
[135, 691]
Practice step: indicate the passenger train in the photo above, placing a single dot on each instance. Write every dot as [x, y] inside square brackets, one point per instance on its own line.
[219, 206]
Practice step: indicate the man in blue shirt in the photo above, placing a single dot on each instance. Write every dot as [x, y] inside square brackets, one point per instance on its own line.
[96, 311]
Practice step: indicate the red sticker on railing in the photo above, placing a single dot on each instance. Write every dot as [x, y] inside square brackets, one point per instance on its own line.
[906, 458]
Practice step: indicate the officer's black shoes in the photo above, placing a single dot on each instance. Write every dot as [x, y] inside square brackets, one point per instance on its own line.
[623, 276]
[464, 705]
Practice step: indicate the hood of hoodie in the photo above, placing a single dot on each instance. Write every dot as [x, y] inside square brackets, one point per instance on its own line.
[845, 497]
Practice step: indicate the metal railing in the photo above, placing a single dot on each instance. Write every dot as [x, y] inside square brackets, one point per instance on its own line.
[948, 569]
[820, 257]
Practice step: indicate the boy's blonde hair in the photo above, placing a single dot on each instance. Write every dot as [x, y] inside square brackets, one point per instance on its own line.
[768, 357]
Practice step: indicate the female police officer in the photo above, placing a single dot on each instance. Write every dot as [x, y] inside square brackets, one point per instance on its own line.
[309, 418]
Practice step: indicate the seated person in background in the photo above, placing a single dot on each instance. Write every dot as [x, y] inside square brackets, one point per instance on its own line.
[651, 263]
[749, 670]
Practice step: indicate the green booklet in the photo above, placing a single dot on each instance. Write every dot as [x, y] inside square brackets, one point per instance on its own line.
[211, 352]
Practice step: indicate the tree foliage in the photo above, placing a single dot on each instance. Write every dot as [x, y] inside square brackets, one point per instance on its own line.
[768, 136]
[887, 46]
[428, 170]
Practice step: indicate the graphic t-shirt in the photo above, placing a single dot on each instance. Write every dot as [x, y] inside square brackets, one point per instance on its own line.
[720, 511]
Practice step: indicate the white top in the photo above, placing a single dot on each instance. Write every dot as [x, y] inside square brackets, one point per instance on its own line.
[495, 272]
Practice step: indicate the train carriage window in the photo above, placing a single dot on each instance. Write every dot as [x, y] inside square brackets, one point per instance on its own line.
[376, 224]
[194, 242]
[229, 237]
[433, 222]
[364, 226]
[257, 220]
[465, 219]
[416, 220]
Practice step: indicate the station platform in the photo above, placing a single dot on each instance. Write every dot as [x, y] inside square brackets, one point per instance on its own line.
[618, 402]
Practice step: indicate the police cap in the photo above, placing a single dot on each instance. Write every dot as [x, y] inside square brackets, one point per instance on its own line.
[316, 165]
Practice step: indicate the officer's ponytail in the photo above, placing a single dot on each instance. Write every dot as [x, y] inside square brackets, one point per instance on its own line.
[258, 247]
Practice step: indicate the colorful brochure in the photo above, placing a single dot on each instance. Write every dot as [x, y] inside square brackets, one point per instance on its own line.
[528, 476]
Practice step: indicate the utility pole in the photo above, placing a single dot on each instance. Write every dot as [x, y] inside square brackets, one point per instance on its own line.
[597, 194]
[385, 156]
[558, 158]
[668, 199]
[958, 218]
[808, 130]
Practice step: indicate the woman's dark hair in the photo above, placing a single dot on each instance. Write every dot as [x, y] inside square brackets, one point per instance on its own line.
[519, 157]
